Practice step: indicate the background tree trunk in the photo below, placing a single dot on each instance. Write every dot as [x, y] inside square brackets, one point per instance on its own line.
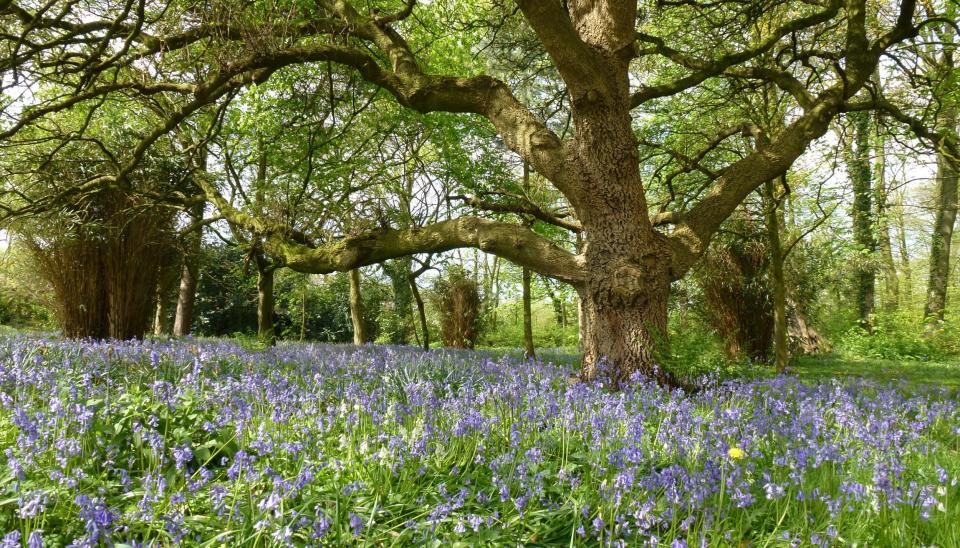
[189, 278]
[946, 215]
[581, 323]
[559, 308]
[265, 304]
[529, 350]
[166, 292]
[891, 282]
[781, 350]
[356, 308]
[907, 289]
[421, 312]
[160, 317]
[398, 270]
[859, 172]
[303, 308]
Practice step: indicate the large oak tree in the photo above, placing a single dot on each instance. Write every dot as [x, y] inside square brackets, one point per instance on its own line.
[612, 60]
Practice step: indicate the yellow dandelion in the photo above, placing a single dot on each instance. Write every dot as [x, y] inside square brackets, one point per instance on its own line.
[736, 453]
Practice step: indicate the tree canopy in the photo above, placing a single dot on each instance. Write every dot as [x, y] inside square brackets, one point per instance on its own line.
[315, 129]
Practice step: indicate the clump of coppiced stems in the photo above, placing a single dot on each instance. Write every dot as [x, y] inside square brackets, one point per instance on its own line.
[457, 299]
[102, 257]
[737, 297]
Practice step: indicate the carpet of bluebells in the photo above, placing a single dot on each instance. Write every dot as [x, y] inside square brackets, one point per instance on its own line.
[206, 443]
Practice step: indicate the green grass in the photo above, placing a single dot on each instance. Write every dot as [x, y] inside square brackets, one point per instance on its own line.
[945, 372]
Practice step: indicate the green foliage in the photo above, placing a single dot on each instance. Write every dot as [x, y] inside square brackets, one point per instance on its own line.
[227, 301]
[23, 299]
[695, 349]
[226, 295]
[899, 336]
[19, 308]
[328, 318]
[503, 326]
[396, 314]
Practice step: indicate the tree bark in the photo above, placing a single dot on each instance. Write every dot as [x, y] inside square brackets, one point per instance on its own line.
[265, 304]
[946, 215]
[624, 333]
[166, 285]
[859, 172]
[628, 264]
[907, 289]
[891, 282]
[189, 278]
[627, 281]
[529, 351]
[160, 316]
[781, 350]
[356, 308]
[421, 312]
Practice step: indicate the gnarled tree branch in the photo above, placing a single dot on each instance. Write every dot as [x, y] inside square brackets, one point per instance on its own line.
[512, 242]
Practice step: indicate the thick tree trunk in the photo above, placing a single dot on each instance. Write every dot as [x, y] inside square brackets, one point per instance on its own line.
[628, 263]
[528, 347]
[781, 350]
[265, 305]
[858, 168]
[356, 308]
[946, 215]
[625, 331]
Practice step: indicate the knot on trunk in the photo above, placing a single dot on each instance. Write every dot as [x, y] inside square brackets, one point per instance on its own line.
[630, 276]
[631, 284]
[544, 138]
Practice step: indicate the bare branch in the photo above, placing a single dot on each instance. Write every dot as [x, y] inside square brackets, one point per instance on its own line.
[527, 208]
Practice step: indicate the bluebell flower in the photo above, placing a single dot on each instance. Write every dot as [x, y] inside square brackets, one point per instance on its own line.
[356, 524]
[10, 540]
